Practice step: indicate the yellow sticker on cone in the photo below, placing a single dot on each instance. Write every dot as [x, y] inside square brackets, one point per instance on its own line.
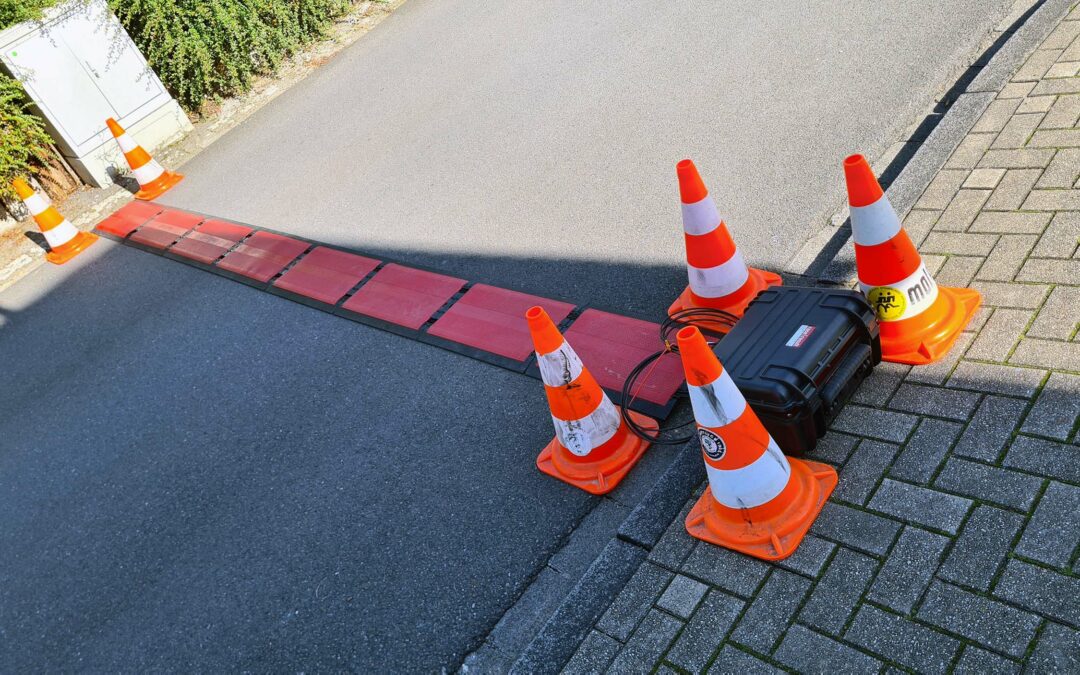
[888, 303]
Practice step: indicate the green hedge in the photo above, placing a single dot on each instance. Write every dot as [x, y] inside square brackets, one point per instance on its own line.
[24, 145]
[17, 11]
[201, 50]
[205, 50]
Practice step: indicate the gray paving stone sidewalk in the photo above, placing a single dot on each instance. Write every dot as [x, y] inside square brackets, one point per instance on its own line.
[951, 543]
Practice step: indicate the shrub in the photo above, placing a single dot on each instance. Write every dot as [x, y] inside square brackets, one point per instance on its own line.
[200, 49]
[17, 11]
[205, 50]
[25, 148]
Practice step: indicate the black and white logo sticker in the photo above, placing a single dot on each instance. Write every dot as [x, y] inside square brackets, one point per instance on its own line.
[712, 444]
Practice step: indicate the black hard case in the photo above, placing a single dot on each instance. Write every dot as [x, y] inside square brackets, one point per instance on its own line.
[797, 379]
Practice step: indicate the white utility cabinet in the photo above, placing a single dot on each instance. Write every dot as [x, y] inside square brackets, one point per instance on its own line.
[79, 66]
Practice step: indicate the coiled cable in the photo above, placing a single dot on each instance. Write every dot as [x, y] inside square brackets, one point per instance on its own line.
[712, 322]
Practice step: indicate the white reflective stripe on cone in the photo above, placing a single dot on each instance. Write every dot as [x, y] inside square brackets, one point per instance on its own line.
[61, 234]
[583, 435]
[148, 172]
[874, 224]
[35, 204]
[753, 485]
[560, 367]
[700, 217]
[126, 143]
[718, 403]
[716, 282]
[919, 291]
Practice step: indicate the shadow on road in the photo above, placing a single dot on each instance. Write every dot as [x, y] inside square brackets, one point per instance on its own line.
[196, 473]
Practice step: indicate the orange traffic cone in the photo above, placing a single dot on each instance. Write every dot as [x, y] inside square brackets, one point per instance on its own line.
[719, 278]
[919, 320]
[593, 449]
[153, 178]
[758, 502]
[65, 241]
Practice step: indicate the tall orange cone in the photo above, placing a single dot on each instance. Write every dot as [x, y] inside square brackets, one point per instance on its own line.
[758, 502]
[153, 178]
[65, 241]
[593, 448]
[919, 320]
[719, 278]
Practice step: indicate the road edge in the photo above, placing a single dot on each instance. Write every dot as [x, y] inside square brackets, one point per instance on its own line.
[828, 256]
[561, 635]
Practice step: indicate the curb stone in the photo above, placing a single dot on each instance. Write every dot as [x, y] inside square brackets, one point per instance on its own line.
[647, 522]
[570, 623]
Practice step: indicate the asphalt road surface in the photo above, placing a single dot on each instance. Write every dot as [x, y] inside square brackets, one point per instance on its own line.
[500, 140]
[198, 475]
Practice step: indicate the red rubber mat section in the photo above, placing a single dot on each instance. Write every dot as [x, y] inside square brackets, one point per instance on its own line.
[403, 295]
[493, 319]
[165, 228]
[262, 255]
[326, 274]
[211, 240]
[611, 346]
[485, 322]
[128, 218]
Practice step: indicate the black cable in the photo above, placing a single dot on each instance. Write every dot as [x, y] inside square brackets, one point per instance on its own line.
[712, 321]
[705, 318]
[627, 399]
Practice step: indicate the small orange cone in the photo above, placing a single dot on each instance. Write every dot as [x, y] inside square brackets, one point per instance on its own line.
[719, 278]
[593, 449]
[919, 320]
[758, 502]
[65, 241]
[153, 178]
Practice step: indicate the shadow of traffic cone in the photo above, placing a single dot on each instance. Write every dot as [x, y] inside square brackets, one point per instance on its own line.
[719, 278]
[593, 448]
[153, 178]
[64, 239]
[758, 502]
[919, 320]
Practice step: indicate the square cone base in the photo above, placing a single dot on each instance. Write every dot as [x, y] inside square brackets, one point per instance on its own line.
[80, 243]
[772, 537]
[736, 303]
[159, 186]
[599, 477]
[927, 337]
